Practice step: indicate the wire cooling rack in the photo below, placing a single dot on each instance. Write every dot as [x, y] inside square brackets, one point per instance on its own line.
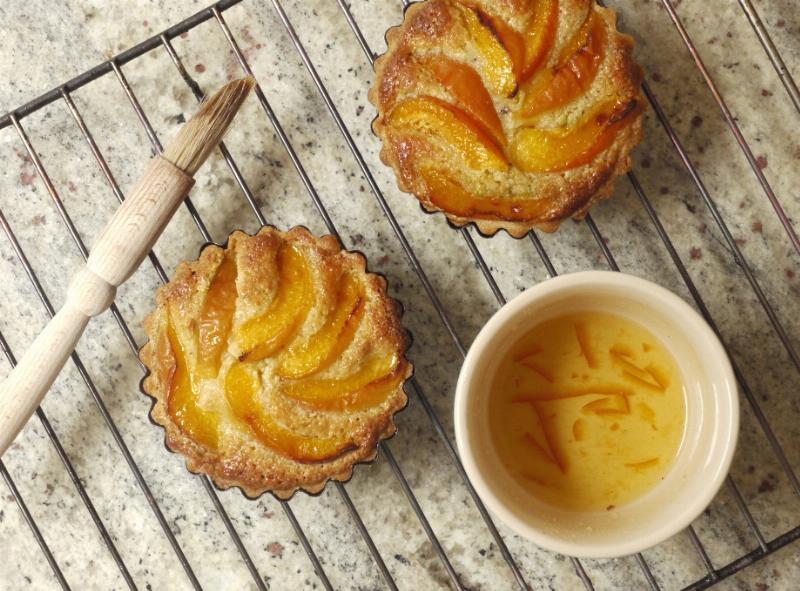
[216, 14]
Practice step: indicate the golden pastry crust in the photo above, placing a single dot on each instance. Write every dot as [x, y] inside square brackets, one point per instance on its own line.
[439, 31]
[238, 455]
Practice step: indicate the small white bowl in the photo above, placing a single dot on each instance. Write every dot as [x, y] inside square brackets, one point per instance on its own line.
[709, 440]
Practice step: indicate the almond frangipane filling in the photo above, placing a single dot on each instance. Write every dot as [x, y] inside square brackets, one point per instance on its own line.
[276, 363]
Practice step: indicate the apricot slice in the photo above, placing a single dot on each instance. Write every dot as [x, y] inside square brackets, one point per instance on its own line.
[216, 318]
[512, 41]
[447, 194]
[324, 346]
[554, 150]
[432, 116]
[466, 87]
[241, 388]
[265, 335]
[368, 386]
[539, 36]
[198, 424]
[575, 72]
[496, 63]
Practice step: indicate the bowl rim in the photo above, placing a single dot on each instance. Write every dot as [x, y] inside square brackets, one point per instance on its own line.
[665, 524]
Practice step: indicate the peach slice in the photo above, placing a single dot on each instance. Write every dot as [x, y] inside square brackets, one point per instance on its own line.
[539, 36]
[466, 87]
[200, 425]
[591, 23]
[512, 41]
[216, 318]
[265, 335]
[497, 65]
[241, 388]
[581, 59]
[323, 347]
[367, 387]
[448, 195]
[555, 150]
[432, 116]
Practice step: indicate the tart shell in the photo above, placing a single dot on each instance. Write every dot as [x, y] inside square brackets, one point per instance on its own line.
[573, 192]
[247, 469]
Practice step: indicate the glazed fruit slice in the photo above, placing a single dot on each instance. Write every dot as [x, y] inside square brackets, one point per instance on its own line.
[264, 336]
[497, 66]
[202, 426]
[448, 195]
[512, 41]
[376, 378]
[539, 36]
[466, 87]
[216, 318]
[324, 346]
[434, 117]
[592, 27]
[242, 385]
[572, 76]
[555, 150]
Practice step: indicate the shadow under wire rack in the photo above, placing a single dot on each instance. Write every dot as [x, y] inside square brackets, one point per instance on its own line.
[215, 13]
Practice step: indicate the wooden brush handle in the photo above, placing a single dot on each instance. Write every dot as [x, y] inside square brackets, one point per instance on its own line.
[117, 253]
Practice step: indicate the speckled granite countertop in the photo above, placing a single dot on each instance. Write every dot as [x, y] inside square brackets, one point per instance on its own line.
[46, 43]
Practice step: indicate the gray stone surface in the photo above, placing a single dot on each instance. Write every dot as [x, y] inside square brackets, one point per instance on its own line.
[45, 43]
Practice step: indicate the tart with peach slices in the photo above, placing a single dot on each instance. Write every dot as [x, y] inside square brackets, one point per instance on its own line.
[511, 114]
[275, 363]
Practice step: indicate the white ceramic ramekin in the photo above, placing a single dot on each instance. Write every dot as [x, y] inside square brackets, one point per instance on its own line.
[712, 417]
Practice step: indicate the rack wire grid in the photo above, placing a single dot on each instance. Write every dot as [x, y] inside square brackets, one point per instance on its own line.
[697, 209]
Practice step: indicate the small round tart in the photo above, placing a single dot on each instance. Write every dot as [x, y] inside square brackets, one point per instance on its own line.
[512, 114]
[276, 363]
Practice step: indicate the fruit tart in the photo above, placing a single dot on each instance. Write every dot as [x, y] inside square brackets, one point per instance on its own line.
[275, 363]
[512, 114]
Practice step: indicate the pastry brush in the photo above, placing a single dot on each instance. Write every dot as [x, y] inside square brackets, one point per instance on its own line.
[117, 253]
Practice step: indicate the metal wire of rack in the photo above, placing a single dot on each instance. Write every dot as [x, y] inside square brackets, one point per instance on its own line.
[214, 13]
